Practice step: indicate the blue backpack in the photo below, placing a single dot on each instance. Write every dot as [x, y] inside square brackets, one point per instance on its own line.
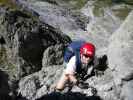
[73, 49]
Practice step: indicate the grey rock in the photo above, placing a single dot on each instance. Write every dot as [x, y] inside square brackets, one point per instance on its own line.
[120, 57]
[23, 40]
[38, 84]
[27, 38]
[28, 87]
[127, 91]
[120, 50]
[29, 46]
[53, 55]
[101, 27]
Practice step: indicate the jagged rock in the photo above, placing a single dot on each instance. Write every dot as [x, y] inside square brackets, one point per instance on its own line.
[120, 50]
[28, 86]
[104, 84]
[53, 55]
[52, 14]
[103, 20]
[70, 22]
[85, 23]
[28, 45]
[38, 84]
[26, 37]
[23, 40]
[120, 55]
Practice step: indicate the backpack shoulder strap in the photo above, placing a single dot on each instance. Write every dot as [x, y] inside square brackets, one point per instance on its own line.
[78, 62]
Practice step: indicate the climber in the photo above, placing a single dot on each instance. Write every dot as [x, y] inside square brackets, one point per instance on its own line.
[79, 58]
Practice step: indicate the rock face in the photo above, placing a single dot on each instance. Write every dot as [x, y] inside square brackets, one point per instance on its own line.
[27, 38]
[56, 16]
[38, 84]
[31, 52]
[108, 86]
[120, 56]
[53, 55]
[105, 17]
[120, 49]
[23, 40]
[94, 21]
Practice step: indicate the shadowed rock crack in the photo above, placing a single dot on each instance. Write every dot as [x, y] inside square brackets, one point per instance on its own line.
[68, 96]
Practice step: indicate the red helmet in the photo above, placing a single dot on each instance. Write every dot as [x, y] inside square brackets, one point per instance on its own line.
[88, 49]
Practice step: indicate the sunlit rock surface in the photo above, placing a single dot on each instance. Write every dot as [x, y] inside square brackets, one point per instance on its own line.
[33, 40]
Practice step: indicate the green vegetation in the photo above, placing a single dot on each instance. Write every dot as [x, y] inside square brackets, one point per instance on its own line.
[3, 55]
[13, 7]
[122, 13]
[8, 3]
[76, 4]
[99, 6]
[5, 64]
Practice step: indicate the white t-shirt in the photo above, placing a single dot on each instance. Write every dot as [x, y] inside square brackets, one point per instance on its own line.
[71, 66]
